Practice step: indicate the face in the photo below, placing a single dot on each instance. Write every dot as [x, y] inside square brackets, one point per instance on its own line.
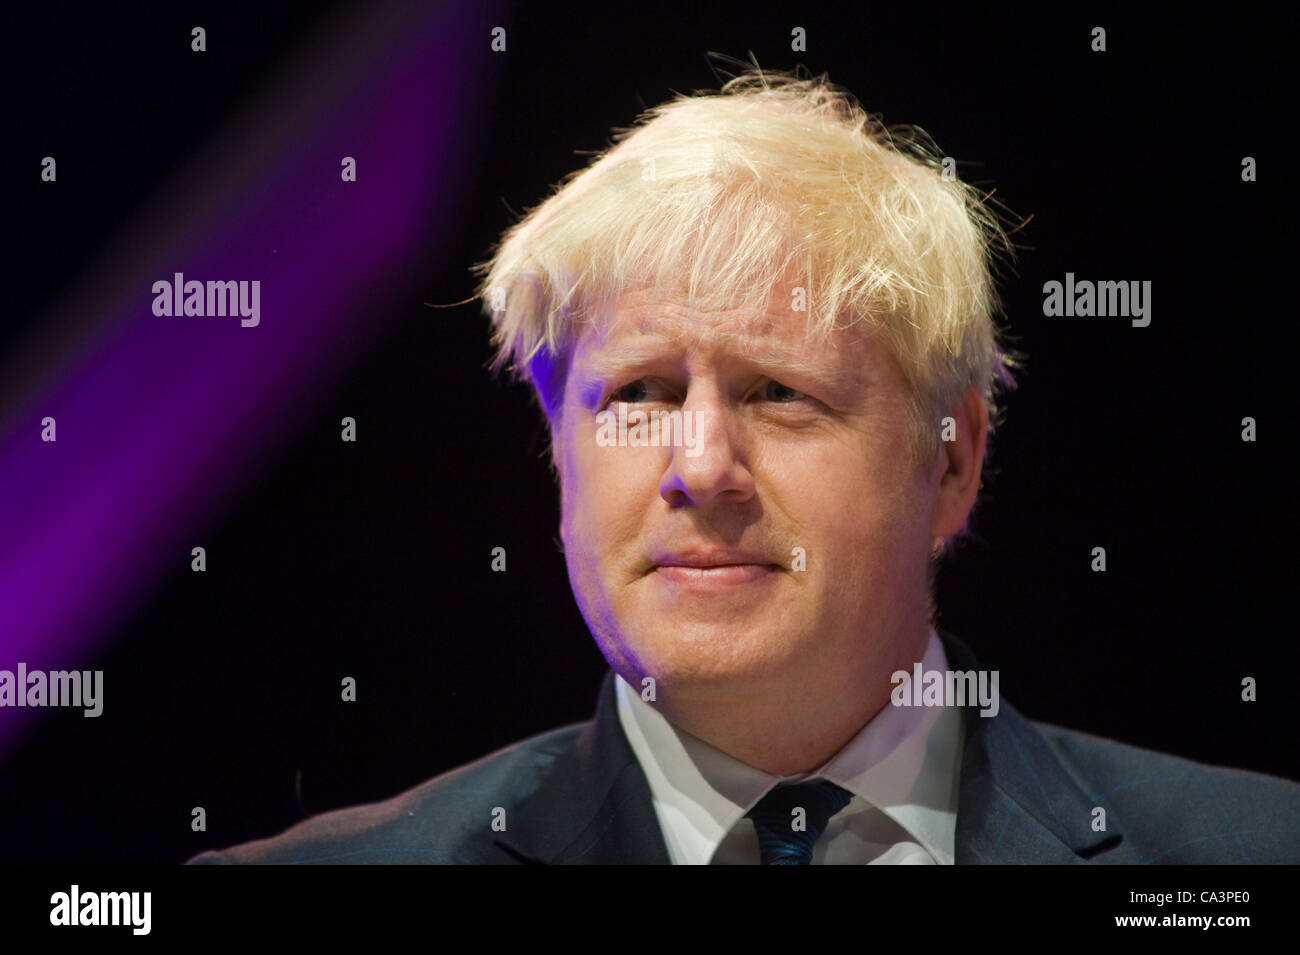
[782, 542]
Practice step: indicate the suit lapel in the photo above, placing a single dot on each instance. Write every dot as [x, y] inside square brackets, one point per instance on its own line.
[594, 806]
[1016, 803]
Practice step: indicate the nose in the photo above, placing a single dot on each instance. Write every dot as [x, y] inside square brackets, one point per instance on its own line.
[711, 464]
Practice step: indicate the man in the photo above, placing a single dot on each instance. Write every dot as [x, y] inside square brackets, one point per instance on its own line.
[761, 328]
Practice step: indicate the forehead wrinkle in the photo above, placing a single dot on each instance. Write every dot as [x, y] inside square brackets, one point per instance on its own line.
[641, 333]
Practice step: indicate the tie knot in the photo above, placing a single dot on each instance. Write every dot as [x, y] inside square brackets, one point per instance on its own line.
[791, 818]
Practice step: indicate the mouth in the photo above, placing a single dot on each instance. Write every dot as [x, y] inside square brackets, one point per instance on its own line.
[714, 576]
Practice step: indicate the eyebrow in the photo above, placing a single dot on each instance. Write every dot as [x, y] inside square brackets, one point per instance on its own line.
[773, 359]
[605, 366]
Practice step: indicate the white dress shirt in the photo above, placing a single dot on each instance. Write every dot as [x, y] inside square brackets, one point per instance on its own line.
[902, 768]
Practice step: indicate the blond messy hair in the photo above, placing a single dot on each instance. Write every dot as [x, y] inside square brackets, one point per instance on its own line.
[709, 198]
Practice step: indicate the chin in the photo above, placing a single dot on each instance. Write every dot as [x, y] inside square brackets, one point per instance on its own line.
[700, 655]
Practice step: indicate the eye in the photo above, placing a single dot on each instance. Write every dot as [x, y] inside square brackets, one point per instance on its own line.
[630, 393]
[782, 394]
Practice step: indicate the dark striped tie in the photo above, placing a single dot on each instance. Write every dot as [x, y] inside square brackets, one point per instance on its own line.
[791, 818]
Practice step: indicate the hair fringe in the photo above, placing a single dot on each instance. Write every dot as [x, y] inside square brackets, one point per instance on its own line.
[714, 196]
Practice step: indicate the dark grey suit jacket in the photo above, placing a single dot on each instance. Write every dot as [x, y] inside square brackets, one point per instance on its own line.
[1027, 794]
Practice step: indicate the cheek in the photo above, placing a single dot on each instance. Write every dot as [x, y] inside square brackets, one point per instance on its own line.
[604, 498]
[870, 519]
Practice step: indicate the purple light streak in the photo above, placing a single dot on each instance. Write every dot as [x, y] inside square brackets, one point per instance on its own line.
[163, 421]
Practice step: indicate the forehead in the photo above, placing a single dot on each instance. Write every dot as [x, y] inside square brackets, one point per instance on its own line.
[642, 326]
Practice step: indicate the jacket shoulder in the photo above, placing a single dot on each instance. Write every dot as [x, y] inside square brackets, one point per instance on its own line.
[1176, 810]
[445, 820]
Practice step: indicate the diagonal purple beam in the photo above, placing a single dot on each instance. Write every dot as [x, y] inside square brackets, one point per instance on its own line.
[162, 421]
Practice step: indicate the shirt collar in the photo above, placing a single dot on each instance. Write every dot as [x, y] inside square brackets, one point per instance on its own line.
[905, 762]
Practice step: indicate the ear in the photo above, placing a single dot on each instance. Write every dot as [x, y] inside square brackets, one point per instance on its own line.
[961, 461]
[548, 375]
[556, 449]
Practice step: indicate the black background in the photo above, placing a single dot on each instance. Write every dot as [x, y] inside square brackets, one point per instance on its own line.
[373, 560]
